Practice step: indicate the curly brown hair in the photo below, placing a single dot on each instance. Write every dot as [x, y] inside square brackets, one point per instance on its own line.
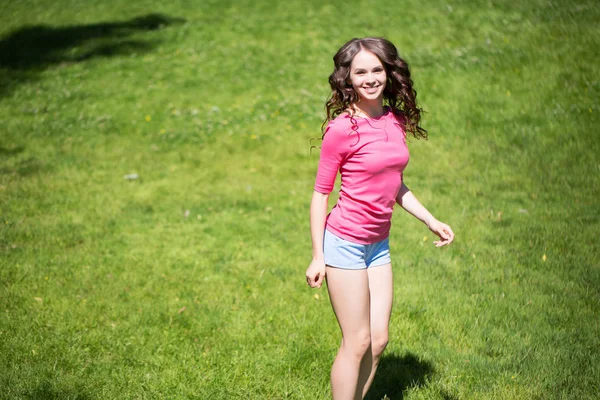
[398, 94]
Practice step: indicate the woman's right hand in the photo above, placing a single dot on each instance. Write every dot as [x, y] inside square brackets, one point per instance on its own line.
[315, 273]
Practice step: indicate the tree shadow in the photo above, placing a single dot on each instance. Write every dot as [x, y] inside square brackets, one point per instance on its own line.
[396, 374]
[46, 391]
[27, 51]
[6, 152]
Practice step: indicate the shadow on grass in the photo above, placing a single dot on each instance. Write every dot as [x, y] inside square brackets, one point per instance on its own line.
[27, 51]
[6, 152]
[47, 392]
[396, 374]
[24, 168]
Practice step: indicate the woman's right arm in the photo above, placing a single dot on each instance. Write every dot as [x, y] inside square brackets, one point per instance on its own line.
[318, 213]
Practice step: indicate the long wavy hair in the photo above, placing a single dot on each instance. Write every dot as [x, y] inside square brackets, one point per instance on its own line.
[398, 94]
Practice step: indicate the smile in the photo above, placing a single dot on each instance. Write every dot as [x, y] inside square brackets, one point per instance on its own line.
[371, 90]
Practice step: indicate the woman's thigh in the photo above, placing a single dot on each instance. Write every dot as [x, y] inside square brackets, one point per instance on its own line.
[349, 294]
[381, 289]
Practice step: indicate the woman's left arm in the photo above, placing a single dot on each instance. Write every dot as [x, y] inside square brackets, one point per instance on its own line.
[409, 202]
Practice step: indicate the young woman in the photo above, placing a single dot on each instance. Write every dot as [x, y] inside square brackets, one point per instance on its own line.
[371, 109]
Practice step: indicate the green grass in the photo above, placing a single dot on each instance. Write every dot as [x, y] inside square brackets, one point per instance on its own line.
[188, 283]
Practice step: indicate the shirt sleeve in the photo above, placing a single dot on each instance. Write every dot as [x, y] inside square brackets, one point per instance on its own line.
[332, 155]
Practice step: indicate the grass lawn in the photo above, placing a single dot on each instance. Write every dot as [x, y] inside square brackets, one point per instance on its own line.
[156, 172]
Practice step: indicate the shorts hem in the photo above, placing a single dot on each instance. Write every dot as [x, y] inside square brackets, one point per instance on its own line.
[353, 267]
[379, 264]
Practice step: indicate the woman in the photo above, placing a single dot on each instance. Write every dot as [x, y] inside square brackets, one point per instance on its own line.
[370, 111]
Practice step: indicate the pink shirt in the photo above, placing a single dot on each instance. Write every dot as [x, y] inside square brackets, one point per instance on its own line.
[370, 158]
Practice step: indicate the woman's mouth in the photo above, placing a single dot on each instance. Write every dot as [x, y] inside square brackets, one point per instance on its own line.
[371, 90]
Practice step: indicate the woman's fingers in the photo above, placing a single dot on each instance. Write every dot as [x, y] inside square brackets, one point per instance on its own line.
[443, 234]
[319, 280]
[446, 235]
[316, 281]
[312, 281]
[450, 232]
[315, 273]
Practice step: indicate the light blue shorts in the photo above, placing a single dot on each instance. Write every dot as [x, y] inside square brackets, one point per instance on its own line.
[341, 253]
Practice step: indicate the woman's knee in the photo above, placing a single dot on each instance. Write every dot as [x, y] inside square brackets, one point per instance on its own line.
[379, 342]
[359, 344]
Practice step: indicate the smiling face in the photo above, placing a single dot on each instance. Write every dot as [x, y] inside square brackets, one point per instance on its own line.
[368, 76]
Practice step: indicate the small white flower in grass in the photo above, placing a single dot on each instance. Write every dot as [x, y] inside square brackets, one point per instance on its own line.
[544, 258]
[186, 213]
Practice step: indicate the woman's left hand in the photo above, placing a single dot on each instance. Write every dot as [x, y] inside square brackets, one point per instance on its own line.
[443, 231]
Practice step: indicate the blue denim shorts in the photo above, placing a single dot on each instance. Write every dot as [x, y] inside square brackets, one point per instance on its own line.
[341, 253]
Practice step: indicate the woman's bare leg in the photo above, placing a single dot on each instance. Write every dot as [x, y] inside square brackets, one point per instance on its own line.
[381, 291]
[349, 294]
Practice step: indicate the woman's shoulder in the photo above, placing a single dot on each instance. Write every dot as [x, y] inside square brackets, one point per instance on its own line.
[339, 124]
[341, 120]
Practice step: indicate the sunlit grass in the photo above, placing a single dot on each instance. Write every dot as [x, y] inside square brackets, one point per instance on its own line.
[187, 281]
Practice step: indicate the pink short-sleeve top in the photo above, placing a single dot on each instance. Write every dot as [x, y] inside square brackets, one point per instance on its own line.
[370, 154]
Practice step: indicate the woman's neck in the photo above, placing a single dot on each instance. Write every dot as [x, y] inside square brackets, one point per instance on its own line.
[368, 109]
